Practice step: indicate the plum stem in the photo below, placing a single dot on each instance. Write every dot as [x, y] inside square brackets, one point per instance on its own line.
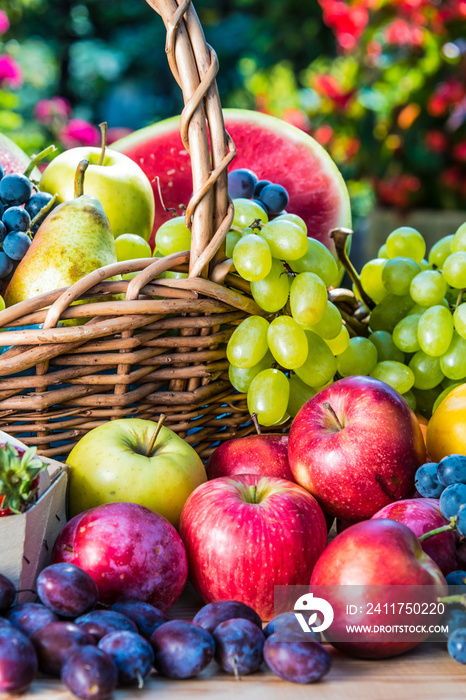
[155, 434]
[256, 423]
[103, 142]
[438, 530]
[44, 211]
[332, 412]
[461, 599]
[40, 156]
[140, 680]
[235, 668]
[79, 178]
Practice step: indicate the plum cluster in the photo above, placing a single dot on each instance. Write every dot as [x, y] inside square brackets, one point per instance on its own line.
[94, 649]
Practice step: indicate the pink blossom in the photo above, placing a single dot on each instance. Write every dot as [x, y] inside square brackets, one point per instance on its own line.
[46, 111]
[4, 22]
[78, 132]
[11, 74]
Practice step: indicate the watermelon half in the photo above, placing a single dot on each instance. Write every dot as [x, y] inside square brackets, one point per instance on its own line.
[13, 159]
[270, 147]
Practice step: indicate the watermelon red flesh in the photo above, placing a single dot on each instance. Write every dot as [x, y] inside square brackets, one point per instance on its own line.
[273, 149]
[13, 159]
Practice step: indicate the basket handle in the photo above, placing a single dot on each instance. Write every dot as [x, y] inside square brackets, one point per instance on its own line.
[194, 66]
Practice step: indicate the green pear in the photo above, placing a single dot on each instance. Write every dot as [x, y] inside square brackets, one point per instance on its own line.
[72, 241]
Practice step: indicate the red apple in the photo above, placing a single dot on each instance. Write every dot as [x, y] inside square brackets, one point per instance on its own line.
[131, 553]
[378, 562]
[246, 534]
[356, 446]
[423, 515]
[264, 455]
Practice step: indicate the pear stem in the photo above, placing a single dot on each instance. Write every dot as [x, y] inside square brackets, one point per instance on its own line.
[256, 423]
[438, 531]
[158, 427]
[40, 156]
[45, 210]
[339, 236]
[103, 142]
[79, 178]
[328, 407]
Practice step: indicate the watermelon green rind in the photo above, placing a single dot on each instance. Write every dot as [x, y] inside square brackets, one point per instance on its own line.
[274, 149]
[13, 158]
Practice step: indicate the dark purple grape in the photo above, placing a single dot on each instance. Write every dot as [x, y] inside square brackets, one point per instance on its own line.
[132, 655]
[259, 187]
[452, 499]
[452, 470]
[55, 642]
[16, 219]
[2, 231]
[454, 619]
[16, 244]
[6, 623]
[296, 661]
[146, 617]
[211, 615]
[29, 617]
[67, 590]
[456, 578]
[287, 626]
[90, 674]
[427, 482]
[7, 594]
[274, 197]
[262, 206]
[457, 645]
[241, 183]
[6, 265]
[18, 661]
[181, 649]
[238, 646]
[15, 189]
[101, 622]
[37, 202]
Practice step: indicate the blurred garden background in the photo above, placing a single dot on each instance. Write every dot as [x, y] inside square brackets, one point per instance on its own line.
[380, 83]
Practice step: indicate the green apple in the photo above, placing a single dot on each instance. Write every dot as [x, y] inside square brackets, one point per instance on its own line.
[119, 184]
[120, 461]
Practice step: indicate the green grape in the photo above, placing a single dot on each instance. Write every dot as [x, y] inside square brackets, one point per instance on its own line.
[173, 236]
[425, 265]
[428, 288]
[453, 362]
[389, 312]
[395, 374]
[425, 399]
[320, 365]
[287, 342]
[371, 279]
[319, 260]
[386, 348]
[2, 302]
[427, 372]
[459, 319]
[330, 324]
[340, 343]
[300, 393]
[405, 334]
[247, 211]
[248, 343]
[435, 330]
[231, 240]
[444, 394]
[410, 400]
[129, 246]
[397, 275]
[268, 396]
[287, 240]
[308, 298]
[242, 378]
[252, 258]
[406, 242]
[459, 239]
[360, 357]
[271, 293]
[383, 251]
[454, 270]
[294, 218]
[440, 251]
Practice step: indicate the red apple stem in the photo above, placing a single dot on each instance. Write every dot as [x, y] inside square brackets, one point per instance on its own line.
[40, 156]
[235, 668]
[256, 423]
[103, 142]
[140, 680]
[328, 407]
[157, 430]
[66, 548]
[254, 493]
[438, 530]
[79, 178]
[44, 211]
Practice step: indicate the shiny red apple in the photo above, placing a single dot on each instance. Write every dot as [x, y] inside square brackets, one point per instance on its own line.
[246, 534]
[377, 563]
[423, 515]
[356, 446]
[131, 553]
[264, 455]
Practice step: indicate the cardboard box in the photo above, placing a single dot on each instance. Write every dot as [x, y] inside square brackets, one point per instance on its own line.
[26, 540]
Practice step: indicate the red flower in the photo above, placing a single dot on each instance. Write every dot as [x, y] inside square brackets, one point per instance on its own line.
[459, 151]
[347, 21]
[446, 94]
[11, 74]
[402, 33]
[397, 191]
[79, 133]
[4, 22]
[323, 134]
[436, 141]
[46, 111]
[452, 177]
[329, 86]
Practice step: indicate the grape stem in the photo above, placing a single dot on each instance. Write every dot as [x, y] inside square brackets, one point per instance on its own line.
[44, 211]
[332, 412]
[167, 209]
[155, 434]
[340, 236]
[459, 297]
[256, 423]
[79, 178]
[103, 142]
[461, 599]
[438, 530]
[40, 156]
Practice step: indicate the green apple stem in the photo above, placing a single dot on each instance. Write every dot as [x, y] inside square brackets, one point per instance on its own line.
[45, 210]
[256, 423]
[157, 430]
[339, 236]
[79, 178]
[328, 407]
[438, 530]
[40, 156]
[235, 667]
[103, 142]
